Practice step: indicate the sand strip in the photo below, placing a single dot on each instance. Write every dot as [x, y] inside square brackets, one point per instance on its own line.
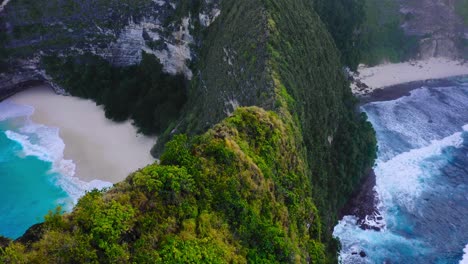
[398, 73]
[100, 148]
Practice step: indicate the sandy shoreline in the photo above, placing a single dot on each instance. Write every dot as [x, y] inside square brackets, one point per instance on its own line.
[100, 148]
[371, 79]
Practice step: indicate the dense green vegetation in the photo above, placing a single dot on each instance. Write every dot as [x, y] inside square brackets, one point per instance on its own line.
[461, 7]
[259, 186]
[237, 194]
[56, 25]
[367, 31]
[340, 144]
[344, 19]
[382, 37]
[294, 70]
[229, 65]
[142, 92]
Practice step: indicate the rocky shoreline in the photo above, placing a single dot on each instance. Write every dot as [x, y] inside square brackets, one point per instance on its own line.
[33, 234]
[10, 91]
[363, 205]
[364, 202]
[396, 91]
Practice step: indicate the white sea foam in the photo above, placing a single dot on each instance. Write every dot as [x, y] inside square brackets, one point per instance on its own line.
[373, 243]
[45, 143]
[414, 121]
[417, 136]
[400, 179]
[465, 255]
[10, 110]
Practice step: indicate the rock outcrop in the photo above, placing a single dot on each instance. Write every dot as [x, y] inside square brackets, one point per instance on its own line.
[438, 25]
[116, 30]
[25, 74]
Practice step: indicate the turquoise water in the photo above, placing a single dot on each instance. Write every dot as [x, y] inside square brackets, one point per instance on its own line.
[28, 189]
[34, 176]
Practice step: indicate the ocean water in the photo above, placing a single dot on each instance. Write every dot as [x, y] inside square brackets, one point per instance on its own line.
[421, 181]
[34, 176]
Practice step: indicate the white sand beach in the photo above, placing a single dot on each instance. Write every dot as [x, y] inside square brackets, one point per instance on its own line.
[397, 73]
[100, 148]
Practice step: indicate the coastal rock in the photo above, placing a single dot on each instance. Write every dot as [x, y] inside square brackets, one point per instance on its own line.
[23, 75]
[4, 242]
[364, 205]
[33, 234]
[438, 47]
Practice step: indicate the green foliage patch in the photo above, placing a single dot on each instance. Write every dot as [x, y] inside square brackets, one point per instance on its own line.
[461, 7]
[382, 38]
[315, 99]
[142, 92]
[207, 202]
[344, 19]
[369, 31]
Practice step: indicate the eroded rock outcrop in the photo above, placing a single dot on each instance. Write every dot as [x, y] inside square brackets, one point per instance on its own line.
[437, 23]
[116, 30]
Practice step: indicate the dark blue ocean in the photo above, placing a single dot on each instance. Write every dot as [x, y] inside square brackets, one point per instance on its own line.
[421, 181]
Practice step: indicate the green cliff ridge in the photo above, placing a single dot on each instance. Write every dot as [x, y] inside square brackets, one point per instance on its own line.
[238, 193]
[267, 149]
[278, 55]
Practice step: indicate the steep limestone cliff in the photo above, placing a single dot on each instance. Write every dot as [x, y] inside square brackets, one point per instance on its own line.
[117, 31]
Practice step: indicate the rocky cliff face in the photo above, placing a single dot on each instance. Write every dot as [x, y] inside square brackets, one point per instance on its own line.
[115, 30]
[437, 23]
[277, 54]
[232, 70]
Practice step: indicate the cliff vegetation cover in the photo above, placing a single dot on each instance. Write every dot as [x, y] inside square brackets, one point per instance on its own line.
[143, 92]
[262, 185]
[239, 193]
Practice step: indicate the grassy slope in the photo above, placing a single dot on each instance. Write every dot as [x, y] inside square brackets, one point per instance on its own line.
[231, 66]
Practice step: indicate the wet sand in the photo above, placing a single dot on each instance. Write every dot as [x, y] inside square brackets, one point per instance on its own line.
[100, 148]
[372, 79]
